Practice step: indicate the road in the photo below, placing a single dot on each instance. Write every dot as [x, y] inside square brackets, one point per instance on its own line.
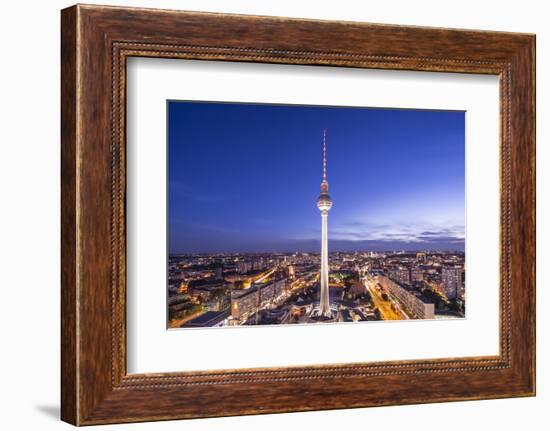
[386, 310]
[176, 323]
[265, 275]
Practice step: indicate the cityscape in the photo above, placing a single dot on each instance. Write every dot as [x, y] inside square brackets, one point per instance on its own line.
[284, 288]
[357, 281]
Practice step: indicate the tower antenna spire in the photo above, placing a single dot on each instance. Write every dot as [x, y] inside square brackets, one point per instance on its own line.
[324, 154]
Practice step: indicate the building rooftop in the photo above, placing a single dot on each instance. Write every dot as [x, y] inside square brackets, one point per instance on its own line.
[210, 318]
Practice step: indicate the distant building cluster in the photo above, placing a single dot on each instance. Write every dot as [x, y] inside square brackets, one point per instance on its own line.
[251, 265]
[444, 273]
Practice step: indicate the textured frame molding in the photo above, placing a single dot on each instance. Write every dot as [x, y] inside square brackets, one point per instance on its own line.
[96, 41]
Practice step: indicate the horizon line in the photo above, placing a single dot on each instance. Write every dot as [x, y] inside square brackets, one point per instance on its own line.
[432, 251]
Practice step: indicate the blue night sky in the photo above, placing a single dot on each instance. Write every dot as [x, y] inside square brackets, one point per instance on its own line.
[245, 178]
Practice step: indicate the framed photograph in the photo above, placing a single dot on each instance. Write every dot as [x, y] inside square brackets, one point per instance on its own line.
[328, 214]
[244, 245]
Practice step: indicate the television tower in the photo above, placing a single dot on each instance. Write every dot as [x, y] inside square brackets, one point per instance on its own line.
[324, 203]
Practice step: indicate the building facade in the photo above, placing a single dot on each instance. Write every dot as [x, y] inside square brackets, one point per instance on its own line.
[451, 279]
[246, 302]
[412, 303]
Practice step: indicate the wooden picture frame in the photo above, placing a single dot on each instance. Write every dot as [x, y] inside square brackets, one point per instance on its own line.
[96, 41]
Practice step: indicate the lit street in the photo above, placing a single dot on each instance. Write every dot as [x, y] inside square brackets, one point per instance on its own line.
[390, 310]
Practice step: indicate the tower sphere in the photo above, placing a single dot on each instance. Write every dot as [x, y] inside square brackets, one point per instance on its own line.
[324, 202]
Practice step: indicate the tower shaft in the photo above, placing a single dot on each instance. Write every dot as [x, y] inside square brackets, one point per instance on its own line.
[324, 306]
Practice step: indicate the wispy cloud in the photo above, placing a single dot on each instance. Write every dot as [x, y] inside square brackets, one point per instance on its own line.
[417, 232]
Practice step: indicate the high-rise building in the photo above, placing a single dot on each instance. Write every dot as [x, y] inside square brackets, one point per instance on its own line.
[218, 272]
[451, 279]
[416, 274]
[324, 203]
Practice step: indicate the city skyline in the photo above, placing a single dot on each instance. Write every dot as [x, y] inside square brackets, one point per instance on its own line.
[242, 178]
[215, 291]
